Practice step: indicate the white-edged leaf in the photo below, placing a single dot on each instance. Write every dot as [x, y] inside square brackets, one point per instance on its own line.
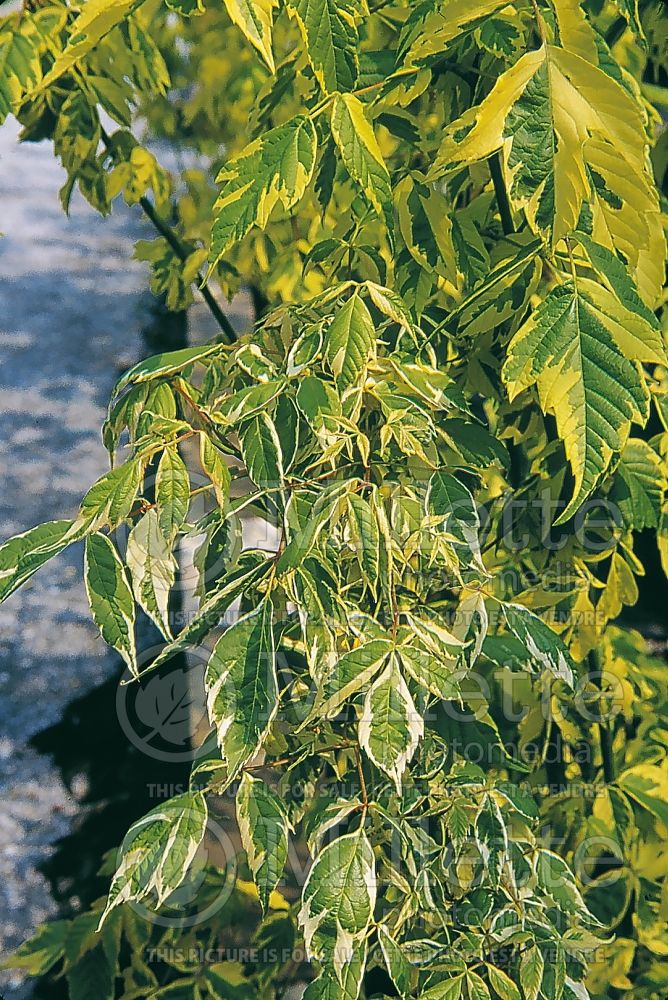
[532, 965]
[338, 901]
[242, 687]
[22, 555]
[435, 673]
[345, 986]
[215, 466]
[365, 536]
[152, 569]
[168, 363]
[349, 675]
[172, 492]
[448, 498]
[264, 829]
[261, 451]
[396, 963]
[158, 850]
[361, 155]
[274, 169]
[110, 499]
[546, 650]
[391, 726]
[110, 597]
[350, 341]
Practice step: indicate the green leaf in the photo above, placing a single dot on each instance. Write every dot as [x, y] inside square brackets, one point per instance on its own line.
[92, 975]
[395, 962]
[644, 475]
[96, 20]
[543, 645]
[338, 900]
[648, 785]
[390, 727]
[162, 365]
[172, 491]
[41, 951]
[274, 169]
[350, 342]
[261, 450]
[330, 34]
[583, 379]
[158, 850]
[255, 18]
[22, 555]
[20, 65]
[110, 597]
[361, 155]
[264, 830]
[110, 500]
[532, 965]
[353, 671]
[242, 687]
[215, 466]
[317, 400]
[502, 984]
[152, 569]
[569, 135]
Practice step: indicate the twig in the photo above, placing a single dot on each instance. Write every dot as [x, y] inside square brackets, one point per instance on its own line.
[539, 22]
[360, 774]
[501, 193]
[606, 732]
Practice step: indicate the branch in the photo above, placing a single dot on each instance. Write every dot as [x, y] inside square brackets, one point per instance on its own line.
[182, 252]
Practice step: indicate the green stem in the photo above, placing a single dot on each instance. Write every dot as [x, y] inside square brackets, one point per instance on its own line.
[501, 194]
[615, 31]
[606, 731]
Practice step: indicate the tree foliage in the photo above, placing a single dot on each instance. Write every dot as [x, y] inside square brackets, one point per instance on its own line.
[452, 411]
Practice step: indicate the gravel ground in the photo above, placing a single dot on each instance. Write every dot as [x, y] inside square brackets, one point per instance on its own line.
[71, 309]
[70, 304]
